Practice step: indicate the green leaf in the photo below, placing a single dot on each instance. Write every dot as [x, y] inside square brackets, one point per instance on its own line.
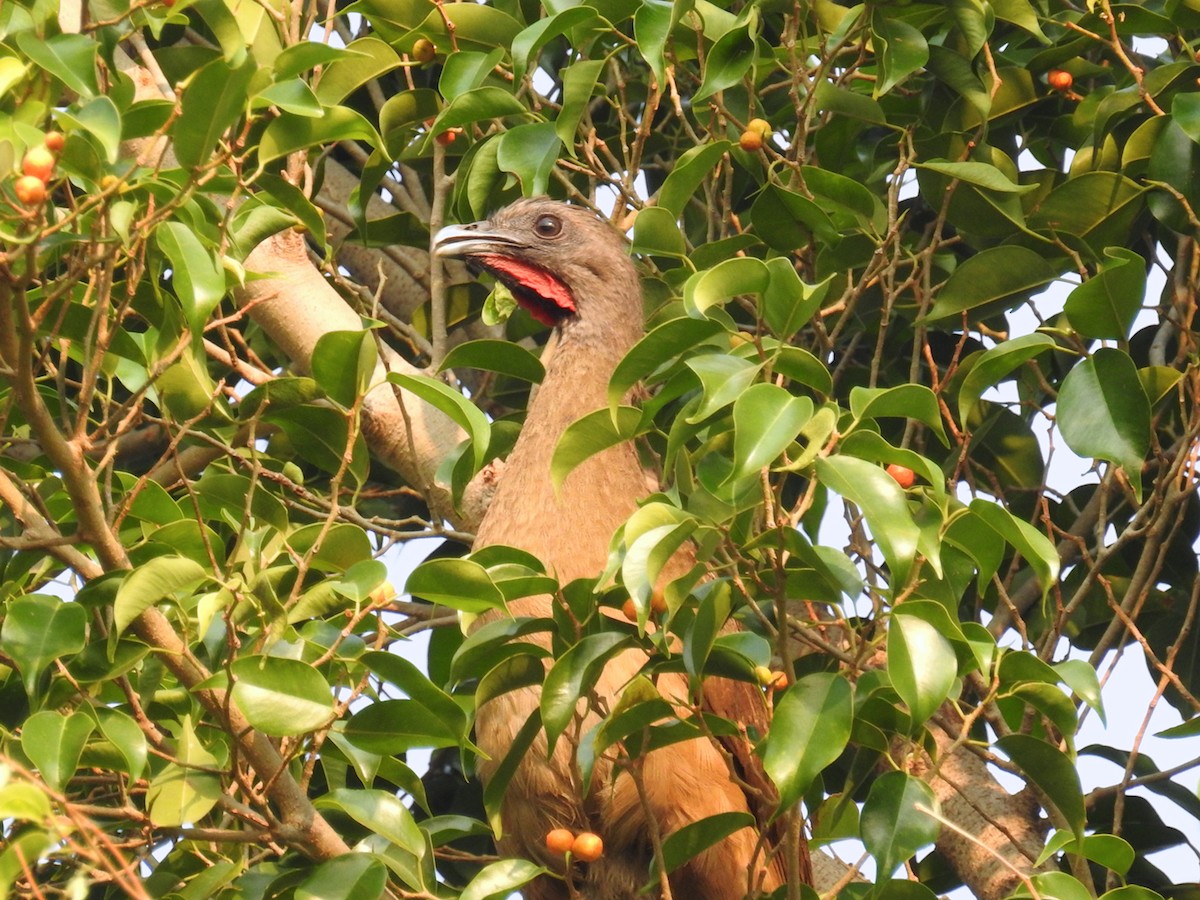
[363, 60]
[502, 357]
[466, 70]
[196, 275]
[579, 83]
[727, 279]
[500, 879]
[882, 501]
[994, 364]
[534, 37]
[25, 801]
[1103, 413]
[186, 789]
[529, 152]
[572, 676]
[1081, 678]
[981, 174]
[656, 233]
[1052, 771]
[689, 170]
[347, 877]
[391, 727]
[900, 49]
[54, 742]
[893, 824]
[766, 419]
[692, 839]
[1000, 276]
[213, 101]
[381, 812]
[589, 435]
[281, 697]
[123, 732]
[37, 630]
[728, 60]
[461, 584]
[445, 398]
[1106, 304]
[343, 363]
[290, 133]
[476, 106]
[662, 342]
[921, 664]
[152, 582]
[912, 401]
[723, 379]
[810, 729]
[71, 58]
[1037, 549]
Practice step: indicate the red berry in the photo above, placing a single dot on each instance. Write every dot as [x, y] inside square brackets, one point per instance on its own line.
[750, 141]
[55, 141]
[1060, 80]
[904, 476]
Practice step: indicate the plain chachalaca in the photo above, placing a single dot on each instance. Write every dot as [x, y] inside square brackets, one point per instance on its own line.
[569, 269]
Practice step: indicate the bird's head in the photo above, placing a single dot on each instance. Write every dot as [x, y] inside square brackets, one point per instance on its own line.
[561, 262]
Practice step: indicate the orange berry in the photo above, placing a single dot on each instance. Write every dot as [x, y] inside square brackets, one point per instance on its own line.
[559, 840]
[904, 476]
[1060, 80]
[449, 136]
[762, 126]
[658, 602]
[587, 847]
[750, 141]
[38, 163]
[30, 190]
[779, 681]
[55, 141]
[629, 608]
[383, 595]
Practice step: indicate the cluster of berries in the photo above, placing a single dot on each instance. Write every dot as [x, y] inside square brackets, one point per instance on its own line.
[37, 170]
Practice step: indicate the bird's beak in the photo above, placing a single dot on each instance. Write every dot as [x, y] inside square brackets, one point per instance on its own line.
[469, 240]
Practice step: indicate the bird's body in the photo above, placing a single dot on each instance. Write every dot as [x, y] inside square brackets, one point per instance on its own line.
[570, 269]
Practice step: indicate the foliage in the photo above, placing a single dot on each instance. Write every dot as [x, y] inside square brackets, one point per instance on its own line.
[206, 680]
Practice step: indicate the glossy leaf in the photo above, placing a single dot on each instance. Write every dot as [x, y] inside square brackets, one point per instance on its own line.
[1105, 305]
[766, 419]
[501, 357]
[572, 676]
[37, 630]
[922, 665]
[458, 583]
[589, 435]
[883, 503]
[810, 728]
[994, 364]
[443, 397]
[1052, 771]
[54, 743]
[895, 821]
[281, 697]
[500, 879]
[1000, 276]
[1103, 412]
[343, 363]
[157, 580]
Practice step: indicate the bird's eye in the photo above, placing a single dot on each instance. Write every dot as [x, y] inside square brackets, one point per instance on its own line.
[548, 226]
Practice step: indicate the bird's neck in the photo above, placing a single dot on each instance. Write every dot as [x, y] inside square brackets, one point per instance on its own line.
[568, 528]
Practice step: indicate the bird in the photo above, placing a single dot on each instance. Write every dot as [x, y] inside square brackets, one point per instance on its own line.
[570, 270]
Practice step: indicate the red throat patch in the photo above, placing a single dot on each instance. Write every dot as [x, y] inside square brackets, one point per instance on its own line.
[531, 284]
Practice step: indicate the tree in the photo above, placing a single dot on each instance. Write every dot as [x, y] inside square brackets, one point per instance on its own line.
[233, 381]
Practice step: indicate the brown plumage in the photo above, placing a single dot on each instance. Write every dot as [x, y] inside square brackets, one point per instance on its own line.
[570, 270]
